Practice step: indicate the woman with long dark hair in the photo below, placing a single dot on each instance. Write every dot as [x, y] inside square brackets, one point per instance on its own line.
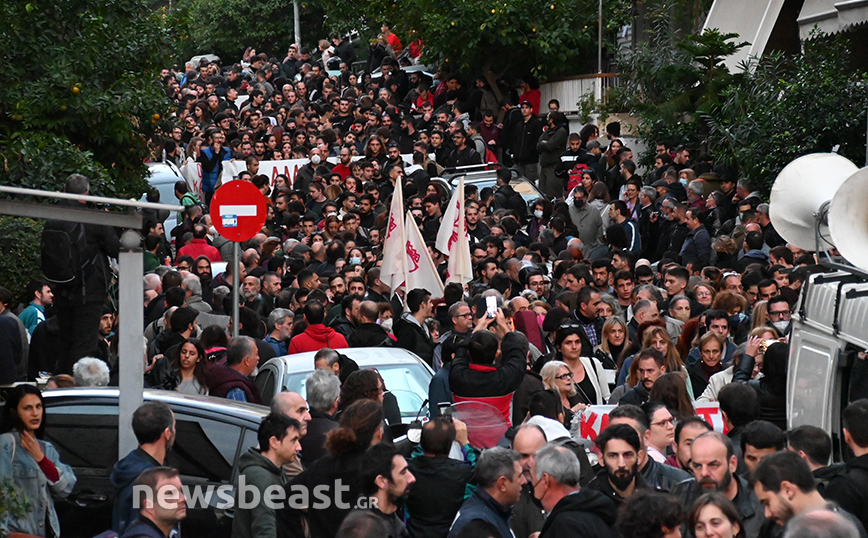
[188, 368]
[361, 426]
[34, 466]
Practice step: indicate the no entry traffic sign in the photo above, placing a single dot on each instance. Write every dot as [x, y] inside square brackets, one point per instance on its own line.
[238, 210]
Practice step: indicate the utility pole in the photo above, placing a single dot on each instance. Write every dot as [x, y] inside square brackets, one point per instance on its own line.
[297, 24]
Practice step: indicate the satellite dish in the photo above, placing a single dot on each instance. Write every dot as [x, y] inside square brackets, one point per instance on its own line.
[848, 219]
[800, 190]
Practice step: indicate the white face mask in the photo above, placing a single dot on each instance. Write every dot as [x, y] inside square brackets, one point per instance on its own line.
[315, 159]
[781, 326]
[538, 214]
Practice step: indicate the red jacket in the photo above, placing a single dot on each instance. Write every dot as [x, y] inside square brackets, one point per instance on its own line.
[200, 247]
[316, 337]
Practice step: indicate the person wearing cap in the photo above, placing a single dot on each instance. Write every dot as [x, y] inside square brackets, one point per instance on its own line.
[523, 145]
[595, 151]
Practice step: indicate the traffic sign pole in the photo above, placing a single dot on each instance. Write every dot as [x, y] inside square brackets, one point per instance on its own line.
[235, 288]
[238, 212]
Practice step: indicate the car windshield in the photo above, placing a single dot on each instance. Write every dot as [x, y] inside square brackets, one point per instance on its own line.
[408, 382]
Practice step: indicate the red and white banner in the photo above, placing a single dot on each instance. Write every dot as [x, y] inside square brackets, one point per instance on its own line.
[393, 272]
[452, 238]
[421, 271]
[595, 418]
[192, 173]
[288, 167]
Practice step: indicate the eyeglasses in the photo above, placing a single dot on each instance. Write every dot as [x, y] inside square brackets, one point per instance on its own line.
[565, 377]
[779, 314]
[668, 421]
[467, 315]
[569, 325]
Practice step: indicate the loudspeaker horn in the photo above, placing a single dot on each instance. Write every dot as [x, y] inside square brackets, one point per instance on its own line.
[800, 190]
[848, 219]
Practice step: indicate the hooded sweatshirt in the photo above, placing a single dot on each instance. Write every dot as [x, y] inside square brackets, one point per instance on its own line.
[585, 513]
[124, 474]
[258, 472]
[316, 337]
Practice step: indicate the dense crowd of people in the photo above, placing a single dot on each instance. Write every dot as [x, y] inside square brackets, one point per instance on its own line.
[653, 293]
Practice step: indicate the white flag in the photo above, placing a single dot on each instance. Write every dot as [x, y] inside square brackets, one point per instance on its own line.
[393, 272]
[454, 239]
[421, 271]
[192, 172]
[449, 225]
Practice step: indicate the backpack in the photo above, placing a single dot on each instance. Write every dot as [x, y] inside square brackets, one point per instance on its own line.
[64, 253]
[490, 156]
[575, 176]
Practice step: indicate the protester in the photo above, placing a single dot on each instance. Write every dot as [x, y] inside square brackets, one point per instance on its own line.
[37, 474]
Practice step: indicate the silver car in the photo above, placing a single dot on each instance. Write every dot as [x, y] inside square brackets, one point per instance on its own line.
[211, 434]
[406, 376]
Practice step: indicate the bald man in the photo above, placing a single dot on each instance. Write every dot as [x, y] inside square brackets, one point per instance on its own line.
[293, 405]
[527, 518]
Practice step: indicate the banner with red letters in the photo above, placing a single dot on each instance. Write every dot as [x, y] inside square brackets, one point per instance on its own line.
[595, 418]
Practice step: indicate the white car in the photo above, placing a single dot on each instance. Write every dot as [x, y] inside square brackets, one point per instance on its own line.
[406, 376]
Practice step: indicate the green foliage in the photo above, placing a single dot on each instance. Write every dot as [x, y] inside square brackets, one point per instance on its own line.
[19, 258]
[668, 87]
[39, 160]
[227, 27]
[787, 107]
[756, 120]
[511, 37]
[83, 74]
[183, 28]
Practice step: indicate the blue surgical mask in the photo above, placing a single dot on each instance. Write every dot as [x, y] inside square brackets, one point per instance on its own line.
[538, 214]
[355, 260]
[683, 181]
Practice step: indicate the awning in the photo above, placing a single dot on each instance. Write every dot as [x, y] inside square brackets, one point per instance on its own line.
[831, 16]
[752, 20]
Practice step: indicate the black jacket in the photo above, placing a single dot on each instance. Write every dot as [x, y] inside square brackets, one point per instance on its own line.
[413, 338]
[850, 488]
[343, 326]
[369, 335]
[324, 519]
[102, 243]
[773, 407]
[471, 381]
[635, 396]
[437, 495]
[524, 138]
[662, 477]
[586, 513]
[313, 442]
[601, 483]
[749, 508]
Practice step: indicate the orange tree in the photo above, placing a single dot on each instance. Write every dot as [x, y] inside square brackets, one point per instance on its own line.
[80, 92]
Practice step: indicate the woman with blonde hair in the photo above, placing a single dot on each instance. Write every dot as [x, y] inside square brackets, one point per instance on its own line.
[711, 349]
[759, 317]
[658, 338]
[704, 293]
[558, 377]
